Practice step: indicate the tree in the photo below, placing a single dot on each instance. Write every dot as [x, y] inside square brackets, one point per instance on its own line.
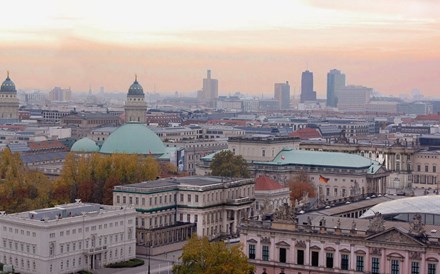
[299, 185]
[200, 256]
[226, 164]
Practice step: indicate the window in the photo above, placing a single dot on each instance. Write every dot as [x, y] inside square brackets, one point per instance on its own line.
[263, 153]
[329, 260]
[300, 257]
[315, 258]
[431, 268]
[375, 265]
[265, 253]
[188, 217]
[395, 267]
[426, 168]
[415, 267]
[344, 262]
[189, 198]
[282, 255]
[197, 198]
[181, 197]
[418, 168]
[360, 263]
[252, 252]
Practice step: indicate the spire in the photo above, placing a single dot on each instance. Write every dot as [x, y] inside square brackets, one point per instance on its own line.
[7, 74]
[135, 77]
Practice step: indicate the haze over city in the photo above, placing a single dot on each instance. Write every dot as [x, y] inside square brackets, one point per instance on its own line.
[390, 46]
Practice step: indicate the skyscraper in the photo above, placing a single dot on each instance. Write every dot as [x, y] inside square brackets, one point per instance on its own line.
[307, 93]
[209, 92]
[282, 94]
[335, 81]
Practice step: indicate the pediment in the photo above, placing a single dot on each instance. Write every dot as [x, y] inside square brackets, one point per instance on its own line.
[344, 250]
[394, 235]
[282, 243]
[252, 241]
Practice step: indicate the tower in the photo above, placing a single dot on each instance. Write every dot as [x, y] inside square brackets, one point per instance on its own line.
[135, 106]
[335, 81]
[282, 94]
[307, 93]
[209, 92]
[8, 102]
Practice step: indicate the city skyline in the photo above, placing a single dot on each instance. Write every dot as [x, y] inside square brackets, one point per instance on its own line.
[390, 47]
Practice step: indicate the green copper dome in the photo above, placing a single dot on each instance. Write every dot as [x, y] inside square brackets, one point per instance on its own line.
[85, 145]
[135, 88]
[8, 85]
[133, 138]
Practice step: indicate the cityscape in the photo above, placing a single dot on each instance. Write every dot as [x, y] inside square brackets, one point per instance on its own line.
[307, 142]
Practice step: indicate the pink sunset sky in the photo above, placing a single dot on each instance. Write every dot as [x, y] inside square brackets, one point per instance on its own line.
[392, 46]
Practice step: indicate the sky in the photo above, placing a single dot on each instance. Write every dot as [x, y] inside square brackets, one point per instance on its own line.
[392, 46]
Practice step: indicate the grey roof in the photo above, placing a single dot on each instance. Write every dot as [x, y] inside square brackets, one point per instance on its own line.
[41, 157]
[18, 147]
[135, 89]
[422, 204]
[8, 85]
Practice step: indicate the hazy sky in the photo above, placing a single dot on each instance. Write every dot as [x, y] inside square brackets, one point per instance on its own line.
[392, 46]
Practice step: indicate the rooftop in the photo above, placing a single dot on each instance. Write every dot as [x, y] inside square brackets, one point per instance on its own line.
[62, 212]
[195, 182]
[264, 183]
[289, 156]
[429, 204]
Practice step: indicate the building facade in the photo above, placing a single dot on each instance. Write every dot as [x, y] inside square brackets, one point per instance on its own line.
[353, 98]
[8, 102]
[260, 148]
[426, 170]
[398, 159]
[170, 210]
[335, 81]
[336, 176]
[282, 95]
[307, 92]
[67, 238]
[324, 244]
[135, 106]
[209, 92]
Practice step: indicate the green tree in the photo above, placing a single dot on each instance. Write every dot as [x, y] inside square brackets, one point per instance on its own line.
[200, 256]
[226, 164]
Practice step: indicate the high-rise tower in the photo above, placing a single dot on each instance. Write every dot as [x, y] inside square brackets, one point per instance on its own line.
[282, 94]
[307, 92]
[8, 102]
[335, 81]
[135, 106]
[209, 92]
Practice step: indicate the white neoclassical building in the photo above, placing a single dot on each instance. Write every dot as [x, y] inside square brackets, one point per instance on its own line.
[170, 210]
[67, 238]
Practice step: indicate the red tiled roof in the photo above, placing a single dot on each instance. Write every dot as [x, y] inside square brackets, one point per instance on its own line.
[306, 133]
[51, 145]
[266, 183]
[430, 117]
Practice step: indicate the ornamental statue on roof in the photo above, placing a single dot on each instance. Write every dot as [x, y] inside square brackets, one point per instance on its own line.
[376, 224]
[416, 226]
[284, 214]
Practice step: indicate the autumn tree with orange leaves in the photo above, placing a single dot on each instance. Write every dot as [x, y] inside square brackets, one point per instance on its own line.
[299, 185]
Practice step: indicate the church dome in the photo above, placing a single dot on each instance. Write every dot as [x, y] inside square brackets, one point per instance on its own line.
[133, 138]
[8, 85]
[85, 145]
[135, 88]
